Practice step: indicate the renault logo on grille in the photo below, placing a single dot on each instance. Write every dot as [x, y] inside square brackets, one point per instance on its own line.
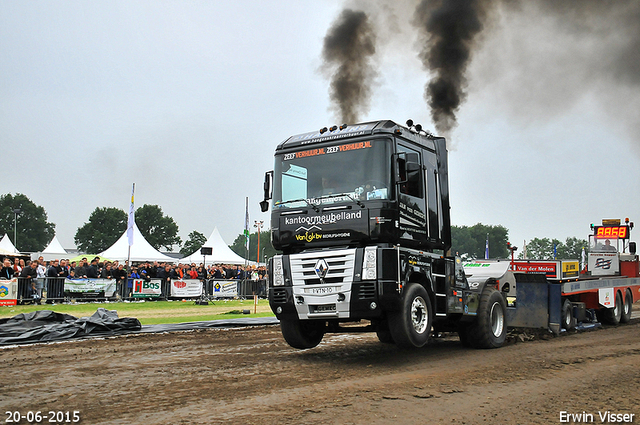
[321, 268]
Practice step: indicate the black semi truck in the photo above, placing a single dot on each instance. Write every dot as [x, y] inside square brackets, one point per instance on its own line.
[361, 216]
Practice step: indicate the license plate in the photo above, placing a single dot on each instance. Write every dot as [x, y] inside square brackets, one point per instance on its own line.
[321, 291]
[325, 308]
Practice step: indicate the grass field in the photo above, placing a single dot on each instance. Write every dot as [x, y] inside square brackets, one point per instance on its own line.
[154, 312]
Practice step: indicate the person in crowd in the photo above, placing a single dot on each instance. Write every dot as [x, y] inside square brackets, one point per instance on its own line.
[144, 272]
[152, 270]
[92, 270]
[193, 273]
[218, 273]
[133, 275]
[80, 270]
[202, 273]
[73, 266]
[72, 274]
[30, 272]
[120, 274]
[107, 272]
[41, 270]
[18, 265]
[52, 271]
[62, 268]
[41, 274]
[7, 270]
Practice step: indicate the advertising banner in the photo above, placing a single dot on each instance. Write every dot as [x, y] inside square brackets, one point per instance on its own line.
[186, 288]
[548, 268]
[144, 289]
[91, 286]
[225, 288]
[570, 269]
[9, 292]
[604, 263]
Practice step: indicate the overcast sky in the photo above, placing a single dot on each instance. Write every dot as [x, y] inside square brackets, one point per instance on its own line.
[189, 100]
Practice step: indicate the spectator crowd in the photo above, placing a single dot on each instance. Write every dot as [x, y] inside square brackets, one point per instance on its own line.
[96, 268]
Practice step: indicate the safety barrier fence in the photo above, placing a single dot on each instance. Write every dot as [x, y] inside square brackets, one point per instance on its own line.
[57, 290]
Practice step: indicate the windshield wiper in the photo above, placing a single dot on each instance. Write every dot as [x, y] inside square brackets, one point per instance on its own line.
[337, 195]
[315, 208]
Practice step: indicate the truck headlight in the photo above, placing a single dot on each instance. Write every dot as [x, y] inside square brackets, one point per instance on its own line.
[369, 263]
[278, 273]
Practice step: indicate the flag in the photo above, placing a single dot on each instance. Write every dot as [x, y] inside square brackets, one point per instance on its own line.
[583, 258]
[555, 251]
[131, 220]
[246, 223]
[524, 242]
[486, 249]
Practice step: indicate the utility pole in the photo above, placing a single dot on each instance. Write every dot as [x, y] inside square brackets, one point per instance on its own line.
[258, 224]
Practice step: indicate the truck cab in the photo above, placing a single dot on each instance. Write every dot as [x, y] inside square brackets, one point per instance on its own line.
[361, 216]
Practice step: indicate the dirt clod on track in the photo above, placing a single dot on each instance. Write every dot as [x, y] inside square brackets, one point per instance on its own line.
[251, 376]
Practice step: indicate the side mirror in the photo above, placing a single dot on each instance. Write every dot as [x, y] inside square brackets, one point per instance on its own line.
[268, 191]
[407, 166]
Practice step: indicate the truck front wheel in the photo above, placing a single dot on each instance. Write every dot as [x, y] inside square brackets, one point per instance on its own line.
[411, 326]
[302, 334]
[490, 328]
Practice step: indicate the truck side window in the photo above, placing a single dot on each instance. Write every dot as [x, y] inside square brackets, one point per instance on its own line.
[412, 177]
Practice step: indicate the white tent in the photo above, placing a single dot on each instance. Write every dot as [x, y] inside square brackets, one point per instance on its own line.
[141, 250]
[221, 253]
[7, 245]
[53, 251]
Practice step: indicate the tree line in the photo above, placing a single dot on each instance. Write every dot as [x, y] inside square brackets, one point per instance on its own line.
[105, 225]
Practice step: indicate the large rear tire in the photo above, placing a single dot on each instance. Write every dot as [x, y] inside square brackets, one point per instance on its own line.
[568, 321]
[490, 328]
[411, 326]
[611, 316]
[302, 334]
[627, 307]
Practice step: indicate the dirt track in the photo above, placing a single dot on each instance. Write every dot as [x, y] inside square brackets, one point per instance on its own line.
[250, 376]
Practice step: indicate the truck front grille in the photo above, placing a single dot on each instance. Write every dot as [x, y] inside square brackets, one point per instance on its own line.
[340, 266]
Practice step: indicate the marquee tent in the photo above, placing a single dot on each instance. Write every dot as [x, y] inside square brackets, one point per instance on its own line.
[53, 251]
[221, 253]
[7, 245]
[141, 250]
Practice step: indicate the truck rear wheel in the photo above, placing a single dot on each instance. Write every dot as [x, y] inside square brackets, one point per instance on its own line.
[411, 326]
[302, 334]
[490, 328]
[568, 321]
[627, 307]
[611, 316]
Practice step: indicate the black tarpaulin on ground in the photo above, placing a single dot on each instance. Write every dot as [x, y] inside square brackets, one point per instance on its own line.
[208, 324]
[47, 326]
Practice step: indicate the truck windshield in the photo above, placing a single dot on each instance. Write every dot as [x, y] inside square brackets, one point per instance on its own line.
[347, 172]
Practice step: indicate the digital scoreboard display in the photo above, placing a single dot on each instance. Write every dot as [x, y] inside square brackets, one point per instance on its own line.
[611, 232]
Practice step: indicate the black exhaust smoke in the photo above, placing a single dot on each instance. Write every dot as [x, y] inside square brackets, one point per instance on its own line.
[347, 52]
[449, 29]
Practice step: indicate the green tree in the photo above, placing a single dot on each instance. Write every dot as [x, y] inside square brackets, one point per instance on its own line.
[104, 228]
[543, 249]
[470, 241]
[267, 250]
[195, 242]
[159, 230]
[33, 230]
